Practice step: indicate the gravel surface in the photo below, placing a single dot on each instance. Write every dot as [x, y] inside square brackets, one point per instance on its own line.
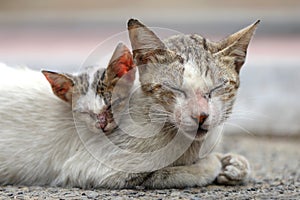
[276, 175]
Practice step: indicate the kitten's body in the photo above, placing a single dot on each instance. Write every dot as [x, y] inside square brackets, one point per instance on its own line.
[39, 139]
[89, 160]
[35, 138]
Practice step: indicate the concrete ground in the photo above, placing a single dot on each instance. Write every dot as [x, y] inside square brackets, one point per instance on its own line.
[276, 175]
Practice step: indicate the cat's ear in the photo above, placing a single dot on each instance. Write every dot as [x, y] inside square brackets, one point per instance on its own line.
[142, 38]
[120, 63]
[62, 85]
[235, 46]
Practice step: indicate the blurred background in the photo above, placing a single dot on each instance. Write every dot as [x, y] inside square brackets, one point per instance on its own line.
[60, 34]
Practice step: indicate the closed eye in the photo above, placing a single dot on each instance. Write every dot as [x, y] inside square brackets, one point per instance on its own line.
[116, 102]
[177, 90]
[216, 88]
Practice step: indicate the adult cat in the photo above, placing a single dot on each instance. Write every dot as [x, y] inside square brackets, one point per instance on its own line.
[194, 82]
[186, 89]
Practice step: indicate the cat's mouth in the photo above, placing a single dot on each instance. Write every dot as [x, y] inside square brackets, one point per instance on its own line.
[197, 133]
[201, 131]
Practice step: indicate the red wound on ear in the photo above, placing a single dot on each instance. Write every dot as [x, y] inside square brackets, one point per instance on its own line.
[124, 64]
[61, 85]
[121, 62]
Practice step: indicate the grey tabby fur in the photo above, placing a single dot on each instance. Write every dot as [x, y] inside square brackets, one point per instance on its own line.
[185, 91]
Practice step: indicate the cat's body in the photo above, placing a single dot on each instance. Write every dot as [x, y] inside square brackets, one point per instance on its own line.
[33, 145]
[186, 88]
[39, 139]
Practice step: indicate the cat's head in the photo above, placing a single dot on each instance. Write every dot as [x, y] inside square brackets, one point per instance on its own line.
[91, 92]
[195, 80]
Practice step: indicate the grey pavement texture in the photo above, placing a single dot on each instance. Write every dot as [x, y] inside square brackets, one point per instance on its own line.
[276, 175]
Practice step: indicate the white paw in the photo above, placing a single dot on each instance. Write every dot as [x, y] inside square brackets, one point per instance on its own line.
[235, 170]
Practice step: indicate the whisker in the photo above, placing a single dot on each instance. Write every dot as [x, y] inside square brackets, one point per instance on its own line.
[159, 114]
[241, 117]
[256, 97]
[72, 118]
[240, 127]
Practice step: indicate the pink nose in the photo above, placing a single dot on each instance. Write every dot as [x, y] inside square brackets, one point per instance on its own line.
[101, 118]
[201, 118]
[101, 121]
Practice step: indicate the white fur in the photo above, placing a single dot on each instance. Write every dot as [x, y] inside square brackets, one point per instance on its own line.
[34, 138]
[40, 145]
[197, 86]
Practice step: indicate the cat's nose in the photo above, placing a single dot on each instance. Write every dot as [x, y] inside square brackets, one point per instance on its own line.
[200, 118]
[101, 121]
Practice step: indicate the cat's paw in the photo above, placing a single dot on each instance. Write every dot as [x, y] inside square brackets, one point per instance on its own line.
[235, 170]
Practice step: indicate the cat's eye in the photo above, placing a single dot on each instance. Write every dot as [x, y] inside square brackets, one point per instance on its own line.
[181, 92]
[176, 90]
[209, 94]
[117, 101]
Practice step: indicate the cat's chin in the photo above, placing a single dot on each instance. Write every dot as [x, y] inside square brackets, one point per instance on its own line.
[196, 134]
[109, 128]
[201, 132]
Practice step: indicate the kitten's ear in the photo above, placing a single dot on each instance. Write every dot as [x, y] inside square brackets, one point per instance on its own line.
[142, 38]
[62, 85]
[235, 46]
[120, 63]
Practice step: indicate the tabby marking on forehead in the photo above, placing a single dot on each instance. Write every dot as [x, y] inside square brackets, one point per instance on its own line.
[204, 44]
[192, 48]
[194, 78]
[82, 82]
[98, 79]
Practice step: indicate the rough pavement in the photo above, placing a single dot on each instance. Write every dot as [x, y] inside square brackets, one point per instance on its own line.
[276, 175]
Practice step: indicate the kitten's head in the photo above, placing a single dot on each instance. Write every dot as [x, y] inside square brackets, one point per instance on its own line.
[195, 80]
[91, 92]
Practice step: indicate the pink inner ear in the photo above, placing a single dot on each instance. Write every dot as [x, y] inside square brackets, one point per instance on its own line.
[124, 64]
[60, 84]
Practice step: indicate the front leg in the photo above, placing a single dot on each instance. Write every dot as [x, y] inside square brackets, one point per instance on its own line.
[235, 169]
[202, 173]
